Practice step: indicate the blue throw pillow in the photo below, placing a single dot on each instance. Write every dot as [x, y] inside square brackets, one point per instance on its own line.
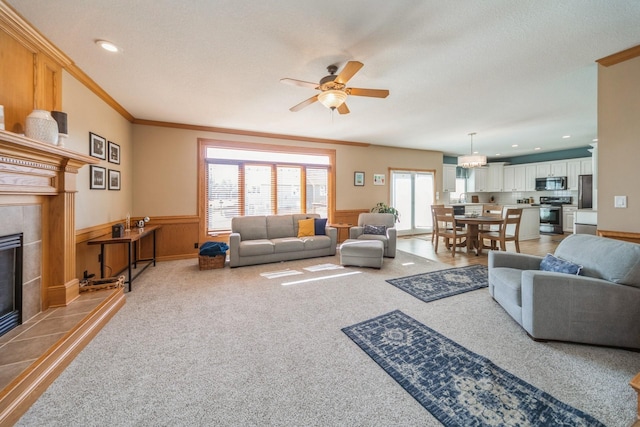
[379, 230]
[320, 224]
[552, 263]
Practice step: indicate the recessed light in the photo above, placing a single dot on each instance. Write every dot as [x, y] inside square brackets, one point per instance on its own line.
[566, 136]
[108, 46]
[514, 145]
[498, 154]
[594, 140]
[537, 148]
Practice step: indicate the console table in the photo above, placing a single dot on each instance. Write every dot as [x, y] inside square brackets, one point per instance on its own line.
[131, 239]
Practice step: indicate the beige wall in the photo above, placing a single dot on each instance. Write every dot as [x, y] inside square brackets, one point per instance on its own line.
[165, 173]
[88, 113]
[619, 145]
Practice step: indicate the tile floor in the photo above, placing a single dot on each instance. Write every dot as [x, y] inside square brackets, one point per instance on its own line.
[24, 344]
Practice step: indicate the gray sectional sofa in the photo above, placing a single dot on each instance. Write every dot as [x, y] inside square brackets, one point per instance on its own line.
[272, 238]
[599, 306]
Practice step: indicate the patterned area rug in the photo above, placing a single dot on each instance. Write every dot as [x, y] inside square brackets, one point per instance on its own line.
[458, 387]
[443, 283]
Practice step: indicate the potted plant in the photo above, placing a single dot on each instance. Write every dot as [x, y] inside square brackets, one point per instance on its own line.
[383, 208]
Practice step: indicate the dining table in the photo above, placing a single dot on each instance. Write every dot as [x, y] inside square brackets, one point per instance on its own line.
[473, 224]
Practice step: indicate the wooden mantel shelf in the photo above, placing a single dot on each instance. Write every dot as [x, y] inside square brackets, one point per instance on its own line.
[28, 166]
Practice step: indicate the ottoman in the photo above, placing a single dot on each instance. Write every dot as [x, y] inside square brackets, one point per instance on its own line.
[362, 253]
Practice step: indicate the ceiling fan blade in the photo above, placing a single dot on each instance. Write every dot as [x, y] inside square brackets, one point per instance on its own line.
[374, 93]
[343, 109]
[302, 83]
[304, 104]
[348, 71]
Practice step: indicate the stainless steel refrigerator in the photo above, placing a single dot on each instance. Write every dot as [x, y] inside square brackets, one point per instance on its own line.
[585, 191]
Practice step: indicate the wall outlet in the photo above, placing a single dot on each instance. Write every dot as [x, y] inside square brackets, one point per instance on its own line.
[620, 201]
[195, 246]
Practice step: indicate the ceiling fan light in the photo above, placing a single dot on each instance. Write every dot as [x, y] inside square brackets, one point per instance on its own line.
[332, 98]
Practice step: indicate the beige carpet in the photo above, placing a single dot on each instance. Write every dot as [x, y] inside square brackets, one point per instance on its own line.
[231, 347]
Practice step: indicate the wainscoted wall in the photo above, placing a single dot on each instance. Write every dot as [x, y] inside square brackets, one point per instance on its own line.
[175, 240]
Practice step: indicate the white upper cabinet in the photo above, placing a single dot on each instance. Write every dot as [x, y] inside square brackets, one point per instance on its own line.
[529, 177]
[449, 178]
[496, 177]
[575, 168]
[478, 180]
[509, 178]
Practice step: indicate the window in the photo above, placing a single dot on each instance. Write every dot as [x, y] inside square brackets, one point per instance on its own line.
[243, 181]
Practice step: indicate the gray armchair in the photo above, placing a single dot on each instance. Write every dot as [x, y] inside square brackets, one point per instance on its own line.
[383, 223]
[600, 306]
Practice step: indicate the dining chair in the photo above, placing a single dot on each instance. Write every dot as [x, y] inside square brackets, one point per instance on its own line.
[491, 210]
[508, 232]
[447, 228]
[433, 221]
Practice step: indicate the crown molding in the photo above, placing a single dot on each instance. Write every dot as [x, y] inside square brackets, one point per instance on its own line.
[619, 57]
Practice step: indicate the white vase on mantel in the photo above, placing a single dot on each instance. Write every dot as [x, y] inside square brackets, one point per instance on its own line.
[41, 127]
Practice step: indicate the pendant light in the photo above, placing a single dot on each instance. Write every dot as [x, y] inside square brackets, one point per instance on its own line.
[472, 160]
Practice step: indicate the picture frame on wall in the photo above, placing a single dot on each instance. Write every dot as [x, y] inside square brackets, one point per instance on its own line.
[358, 179]
[378, 179]
[97, 146]
[114, 179]
[114, 153]
[98, 178]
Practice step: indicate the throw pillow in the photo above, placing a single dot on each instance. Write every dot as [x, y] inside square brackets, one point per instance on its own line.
[306, 227]
[380, 230]
[320, 224]
[558, 265]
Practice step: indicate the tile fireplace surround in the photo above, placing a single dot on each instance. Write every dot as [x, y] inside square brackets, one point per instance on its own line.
[37, 198]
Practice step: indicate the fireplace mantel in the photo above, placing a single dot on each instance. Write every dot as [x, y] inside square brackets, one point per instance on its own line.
[48, 172]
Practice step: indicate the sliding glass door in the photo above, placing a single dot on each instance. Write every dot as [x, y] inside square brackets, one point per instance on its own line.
[412, 193]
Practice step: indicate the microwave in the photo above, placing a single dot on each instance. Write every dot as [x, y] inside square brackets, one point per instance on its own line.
[551, 183]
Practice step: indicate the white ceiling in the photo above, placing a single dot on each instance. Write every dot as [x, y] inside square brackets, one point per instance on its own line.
[516, 72]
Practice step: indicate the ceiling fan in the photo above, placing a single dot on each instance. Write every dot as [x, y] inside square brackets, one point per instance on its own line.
[333, 88]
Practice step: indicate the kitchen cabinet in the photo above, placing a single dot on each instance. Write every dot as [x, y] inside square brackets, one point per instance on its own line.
[515, 178]
[568, 218]
[586, 166]
[496, 177]
[529, 178]
[546, 169]
[478, 180]
[575, 168]
[449, 178]
[509, 178]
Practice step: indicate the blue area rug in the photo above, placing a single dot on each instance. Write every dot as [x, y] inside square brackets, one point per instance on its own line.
[458, 387]
[443, 283]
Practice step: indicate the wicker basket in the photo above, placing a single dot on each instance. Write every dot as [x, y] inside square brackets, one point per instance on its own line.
[100, 284]
[210, 262]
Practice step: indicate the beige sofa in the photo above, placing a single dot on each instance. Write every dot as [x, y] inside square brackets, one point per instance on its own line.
[272, 238]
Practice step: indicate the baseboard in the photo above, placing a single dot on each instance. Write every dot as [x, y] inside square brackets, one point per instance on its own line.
[21, 393]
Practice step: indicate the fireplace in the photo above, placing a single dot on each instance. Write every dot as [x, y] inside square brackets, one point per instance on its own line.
[10, 282]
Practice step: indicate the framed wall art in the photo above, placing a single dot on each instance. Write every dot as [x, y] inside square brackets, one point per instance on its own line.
[114, 179]
[97, 146]
[114, 153]
[358, 179]
[378, 179]
[98, 177]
